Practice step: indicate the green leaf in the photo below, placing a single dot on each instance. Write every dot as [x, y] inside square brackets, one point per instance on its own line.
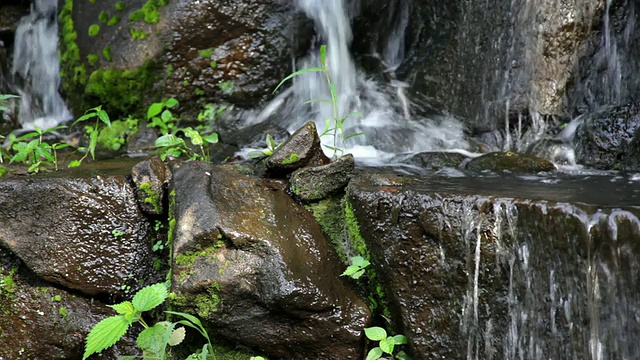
[387, 345]
[352, 269]
[177, 336]
[358, 261]
[168, 141]
[74, 163]
[192, 322]
[323, 55]
[152, 339]
[400, 339]
[166, 116]
[256, 154]
[123, 308]
[358, 274]
[171, 102]
[149, 297]
[85, 117]
[354, 135]
[271, 143]
[374, 353]
[211, 138]
[205, 352]
[298, 73]
[154, 109]
[195, 137]
[375, 333]
[403, 356]
[34, 168]
[93, 142]
[104, 334]
[104, 117]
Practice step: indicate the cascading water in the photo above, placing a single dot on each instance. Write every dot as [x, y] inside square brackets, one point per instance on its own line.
[36, 68]
[386, 120]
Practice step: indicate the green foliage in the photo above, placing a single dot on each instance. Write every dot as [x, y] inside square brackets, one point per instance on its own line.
[387, 344]
[119, 6]
[7, 283]
[103, 17]
[210, 113]
[106, 52]
[101, 117]
[122, 91]
[334, 126]
[226, 87]
[114, 137]
[160, 116]
[356, 269]
[149, 12]
[206, 53]
[92, 59]
[138, 34]
[175, 146]
[115, 20]
[94, 30]
[32, 150]
[3, 101]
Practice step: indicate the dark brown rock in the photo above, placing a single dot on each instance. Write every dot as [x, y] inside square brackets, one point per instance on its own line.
[150, 178]
[508, 161]
[302, 149]
[318, 182]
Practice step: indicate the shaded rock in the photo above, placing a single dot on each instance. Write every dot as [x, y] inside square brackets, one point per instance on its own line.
[150, 177]
[86, 234]
[464, 262]
[631, 159]
[221, 152]
[302, 149]
[557, 151]
[255, 267]
[142, 141]
[40, 321]
[602, 137]
[254, 136]
[10, 16]
[434, 160]
[319, 182]
[510, 162]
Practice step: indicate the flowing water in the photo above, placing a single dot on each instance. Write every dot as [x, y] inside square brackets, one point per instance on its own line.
[36, 68]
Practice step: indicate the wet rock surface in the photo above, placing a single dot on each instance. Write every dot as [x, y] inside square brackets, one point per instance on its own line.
[467, 262]
[256, 267]
[86, 234]
[319, 182]
[150, 178]
[603, 137]
[435, 160]
[302, 149]
[509, 162]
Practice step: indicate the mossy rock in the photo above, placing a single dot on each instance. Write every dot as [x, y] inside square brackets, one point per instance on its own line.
[510, 162]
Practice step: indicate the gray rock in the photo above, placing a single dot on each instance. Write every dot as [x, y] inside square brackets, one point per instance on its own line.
[318, 182]
[303, 148]
[508, 161]
[434, 160]
[86, 234]
[150, 178]
[255, 267]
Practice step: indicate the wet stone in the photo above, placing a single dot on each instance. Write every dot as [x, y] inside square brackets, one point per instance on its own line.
[150, 177]
[510, 162]
[319, 182]
[302, 149]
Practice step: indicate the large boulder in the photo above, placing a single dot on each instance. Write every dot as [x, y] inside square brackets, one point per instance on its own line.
[505, 268]
[196, 51]
[254, 265]
[85, 234]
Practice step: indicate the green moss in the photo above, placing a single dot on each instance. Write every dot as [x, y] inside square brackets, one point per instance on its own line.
[103, 17]
[203, 305]
[152, 198]
[206, 53]
[138, 34]
[115, 20]
[149, 12]
[120, 90]
[119, 6]
[92, 59]
[94, 30]
[93, 1]
[106, 53]
[72, 71]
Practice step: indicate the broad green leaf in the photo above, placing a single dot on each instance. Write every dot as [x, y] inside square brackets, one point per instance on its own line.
[387, 345]
[400, 339]
[149, 297]
[151, 339]
[154, 109]
[45, 152]
[358, 261]
[166, 116]
[27, 136]
[19, 157]
[104, 334]
[104, 117]
[403, 356]
[34, 168]
[256, 154]
[123, 308]
[171, 102]
[195, 137]
[74, 163]
[358, 274]
[7, 96]
[352, 269]
[298, 73]
[211, 138]
[271, 143]
[375, 333]
[168, 140]
[374, 353]
[177, 336]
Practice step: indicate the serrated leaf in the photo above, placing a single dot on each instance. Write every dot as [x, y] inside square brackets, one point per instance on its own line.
[375, 333]
[400, 339]
[149, 297]
[123, 308]
[387, 345]
[151, 340]
[154, 109]
[177, 336]
[374, 353]
[104, 334]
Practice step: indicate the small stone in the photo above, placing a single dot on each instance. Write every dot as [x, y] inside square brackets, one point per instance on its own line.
[435, 160]
[150, 177]
[302, 149]
[318, 182]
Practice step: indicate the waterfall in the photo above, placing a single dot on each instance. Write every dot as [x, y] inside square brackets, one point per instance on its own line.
[385, 117]
[36, 68]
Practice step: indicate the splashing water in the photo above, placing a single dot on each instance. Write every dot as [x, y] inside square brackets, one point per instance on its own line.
[36, 68]
[386, 123]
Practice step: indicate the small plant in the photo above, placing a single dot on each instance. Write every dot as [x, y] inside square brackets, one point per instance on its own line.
[357, 267]
[153, 340]
[271, 147]
[3, 100]
[386, 346]
[226, 86]
[32, 150]
[101, 117]
[334, 125]
[175, 146]
[94, 30]
[160, 116]
[210, 113]
[116, 233]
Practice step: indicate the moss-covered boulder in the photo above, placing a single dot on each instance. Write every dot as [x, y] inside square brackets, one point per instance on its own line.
[319, 182]
[511, 162]
[255, 266]
[435, 160]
